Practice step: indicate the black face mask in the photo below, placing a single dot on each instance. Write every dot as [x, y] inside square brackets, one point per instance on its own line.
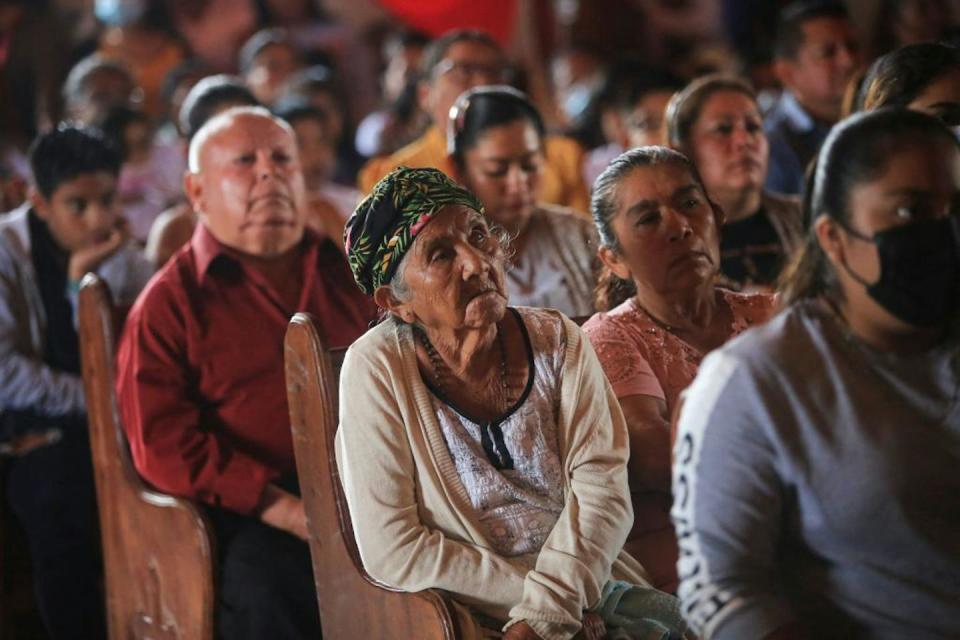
[919, 270]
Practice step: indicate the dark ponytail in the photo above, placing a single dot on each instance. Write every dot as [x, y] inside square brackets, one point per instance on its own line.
[808, 274]
[611, 290]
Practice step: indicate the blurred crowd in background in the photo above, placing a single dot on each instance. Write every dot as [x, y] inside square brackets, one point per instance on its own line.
[748, 90]
[600, 72]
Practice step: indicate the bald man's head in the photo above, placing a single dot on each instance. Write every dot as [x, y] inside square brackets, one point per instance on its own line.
[225, 120]
[245, 182]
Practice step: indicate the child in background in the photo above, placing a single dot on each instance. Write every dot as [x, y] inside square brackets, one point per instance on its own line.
[320, 87]
[151, 178]
[331, 204]
[69, 226]
[267, 60]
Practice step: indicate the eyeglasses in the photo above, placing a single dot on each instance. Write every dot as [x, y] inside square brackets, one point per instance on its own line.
[643, 122]
[464, 72]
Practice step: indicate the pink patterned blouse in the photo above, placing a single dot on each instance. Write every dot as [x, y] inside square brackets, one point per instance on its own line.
[640, 357]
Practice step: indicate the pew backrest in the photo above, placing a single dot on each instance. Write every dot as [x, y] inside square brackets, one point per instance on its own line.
[157, 549]
[352, 604]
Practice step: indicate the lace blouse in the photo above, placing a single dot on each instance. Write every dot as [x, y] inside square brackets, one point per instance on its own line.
[640, 357]
[511, 466]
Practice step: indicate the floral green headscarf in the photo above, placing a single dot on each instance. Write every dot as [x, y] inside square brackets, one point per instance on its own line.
[382, 229]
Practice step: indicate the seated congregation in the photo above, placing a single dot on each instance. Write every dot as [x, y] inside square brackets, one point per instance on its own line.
[671, 404]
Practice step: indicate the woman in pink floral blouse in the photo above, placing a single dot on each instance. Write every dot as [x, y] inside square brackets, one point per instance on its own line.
[660, 247]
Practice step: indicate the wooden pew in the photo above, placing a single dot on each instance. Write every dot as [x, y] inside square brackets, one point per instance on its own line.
[157, 549]
[352, 604]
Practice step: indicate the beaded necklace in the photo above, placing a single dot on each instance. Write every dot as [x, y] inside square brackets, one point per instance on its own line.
[439, 366]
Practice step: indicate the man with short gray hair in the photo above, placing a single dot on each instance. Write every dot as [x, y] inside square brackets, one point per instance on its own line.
[200, 365]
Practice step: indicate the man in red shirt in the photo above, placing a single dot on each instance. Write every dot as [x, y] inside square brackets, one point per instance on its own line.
[200, 365]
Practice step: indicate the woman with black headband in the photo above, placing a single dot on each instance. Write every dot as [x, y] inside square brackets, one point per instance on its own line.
[481, 449]
[815, 472]
[495, 139]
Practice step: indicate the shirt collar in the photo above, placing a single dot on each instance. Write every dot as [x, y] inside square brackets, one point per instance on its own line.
[796, 116]
[207, 249]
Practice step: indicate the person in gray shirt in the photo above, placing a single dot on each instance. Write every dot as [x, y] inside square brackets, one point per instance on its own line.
[815, 483]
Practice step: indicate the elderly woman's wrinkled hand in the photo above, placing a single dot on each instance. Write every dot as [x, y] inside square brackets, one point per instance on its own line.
[593, 627]
[521, 631]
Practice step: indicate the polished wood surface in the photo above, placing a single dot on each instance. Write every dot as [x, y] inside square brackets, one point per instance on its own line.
[158, 550]
[352, 604]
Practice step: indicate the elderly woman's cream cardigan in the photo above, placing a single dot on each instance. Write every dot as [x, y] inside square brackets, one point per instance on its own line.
[413, 520]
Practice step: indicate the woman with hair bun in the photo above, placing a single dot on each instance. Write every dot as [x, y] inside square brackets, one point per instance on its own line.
[662, 312]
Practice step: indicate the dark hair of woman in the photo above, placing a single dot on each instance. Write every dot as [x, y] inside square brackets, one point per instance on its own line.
[853, 95]
[856, 151]
[405, 106]
[897, 78]
[482, 108]
[155, 16]
[612, 290]
[685, 107]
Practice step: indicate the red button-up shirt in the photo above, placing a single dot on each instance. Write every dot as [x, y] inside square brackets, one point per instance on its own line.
[200, 370]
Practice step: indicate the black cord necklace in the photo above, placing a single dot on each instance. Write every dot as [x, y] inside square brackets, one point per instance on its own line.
[491, 434]
[669, 328]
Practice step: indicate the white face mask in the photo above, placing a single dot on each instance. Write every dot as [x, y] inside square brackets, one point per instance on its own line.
[119, 13]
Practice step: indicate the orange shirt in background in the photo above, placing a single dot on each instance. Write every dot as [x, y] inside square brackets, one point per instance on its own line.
[562, 182]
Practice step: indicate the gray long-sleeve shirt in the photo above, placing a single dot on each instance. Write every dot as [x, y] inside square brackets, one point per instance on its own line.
[818, 481]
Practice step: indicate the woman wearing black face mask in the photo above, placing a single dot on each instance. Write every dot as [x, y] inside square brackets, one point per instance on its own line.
[815, 483]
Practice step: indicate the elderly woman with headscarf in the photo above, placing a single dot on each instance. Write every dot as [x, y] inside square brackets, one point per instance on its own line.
[481, 449]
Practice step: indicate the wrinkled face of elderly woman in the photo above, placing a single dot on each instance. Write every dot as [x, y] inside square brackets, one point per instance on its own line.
[453, 275]
[667, 230]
